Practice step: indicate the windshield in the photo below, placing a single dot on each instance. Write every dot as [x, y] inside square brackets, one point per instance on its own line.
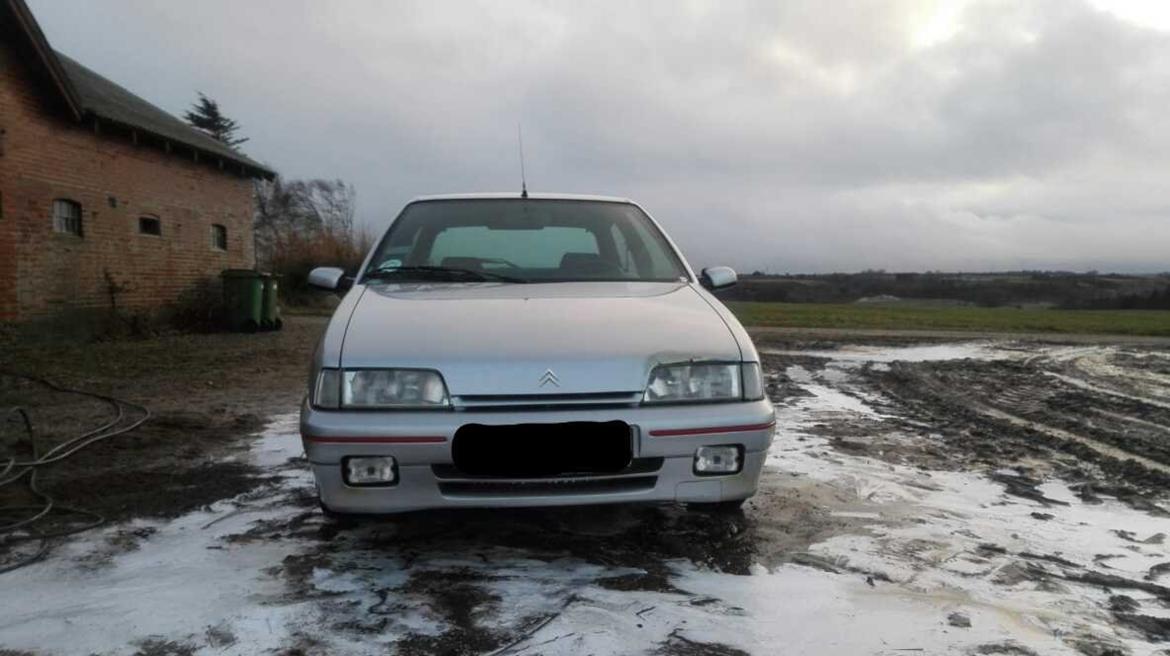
[524, 240]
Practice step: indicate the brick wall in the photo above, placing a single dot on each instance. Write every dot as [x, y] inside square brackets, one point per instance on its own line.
[45, 155]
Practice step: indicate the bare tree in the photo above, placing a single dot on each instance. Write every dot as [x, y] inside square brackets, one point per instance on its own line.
[304, 209]
[325, 204]
[303, 223]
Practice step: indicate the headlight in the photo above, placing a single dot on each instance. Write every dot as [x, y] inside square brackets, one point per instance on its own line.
[695, 382]
[381, 388]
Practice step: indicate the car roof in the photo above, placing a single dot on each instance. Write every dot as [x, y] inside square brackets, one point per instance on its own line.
[513, 194]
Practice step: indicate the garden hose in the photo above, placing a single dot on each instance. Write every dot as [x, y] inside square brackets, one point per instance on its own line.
[25, 529]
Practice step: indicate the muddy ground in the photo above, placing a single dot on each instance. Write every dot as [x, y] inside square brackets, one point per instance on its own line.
[980, 497]
[204, 393]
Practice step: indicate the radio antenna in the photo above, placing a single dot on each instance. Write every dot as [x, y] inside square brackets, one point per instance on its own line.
[523, 180]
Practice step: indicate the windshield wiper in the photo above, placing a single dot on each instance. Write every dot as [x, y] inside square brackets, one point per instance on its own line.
[446, 273]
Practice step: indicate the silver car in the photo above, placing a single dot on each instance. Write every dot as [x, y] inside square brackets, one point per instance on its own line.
[512, 350]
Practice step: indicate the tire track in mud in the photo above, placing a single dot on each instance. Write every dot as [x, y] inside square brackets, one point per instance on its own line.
[1032, 404]
[1009, 413]
[1104, 449]
[1123, 389]
[1098, 389]
[989, 416]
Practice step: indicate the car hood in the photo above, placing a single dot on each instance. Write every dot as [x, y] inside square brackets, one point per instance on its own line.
[489, 339]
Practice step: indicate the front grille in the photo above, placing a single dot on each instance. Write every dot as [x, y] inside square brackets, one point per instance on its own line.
[480, 402]
[567, 487]
[637, 466]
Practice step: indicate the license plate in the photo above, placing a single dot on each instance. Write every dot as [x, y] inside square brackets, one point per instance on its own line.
[532, 450]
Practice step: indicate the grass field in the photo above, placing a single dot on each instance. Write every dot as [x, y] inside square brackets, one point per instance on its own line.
[974, 319]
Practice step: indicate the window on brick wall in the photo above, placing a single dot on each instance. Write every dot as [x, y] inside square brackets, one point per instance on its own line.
[149, 225]
[67, 216]
[218, 237]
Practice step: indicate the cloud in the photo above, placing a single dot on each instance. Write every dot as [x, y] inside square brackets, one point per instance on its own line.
[794, 136]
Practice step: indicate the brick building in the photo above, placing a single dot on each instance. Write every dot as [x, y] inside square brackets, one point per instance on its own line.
[101, 189]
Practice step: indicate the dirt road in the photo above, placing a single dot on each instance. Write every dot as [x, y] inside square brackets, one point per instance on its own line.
[990, 497]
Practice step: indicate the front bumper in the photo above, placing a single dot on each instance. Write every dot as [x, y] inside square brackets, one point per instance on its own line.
[664, 442]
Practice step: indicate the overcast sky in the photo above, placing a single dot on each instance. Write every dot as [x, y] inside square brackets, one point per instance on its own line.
[789, 136]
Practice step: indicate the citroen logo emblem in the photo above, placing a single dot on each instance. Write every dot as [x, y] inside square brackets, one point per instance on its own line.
[550, 378]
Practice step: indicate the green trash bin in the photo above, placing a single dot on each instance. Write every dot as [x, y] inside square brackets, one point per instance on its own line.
[243, 295]
[270, 310]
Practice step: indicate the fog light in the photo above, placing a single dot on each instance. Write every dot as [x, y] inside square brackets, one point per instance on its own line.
[724, 459]
[370, 470]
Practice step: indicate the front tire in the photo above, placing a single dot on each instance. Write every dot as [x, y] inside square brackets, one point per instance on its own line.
[733, 507]
[345, 519]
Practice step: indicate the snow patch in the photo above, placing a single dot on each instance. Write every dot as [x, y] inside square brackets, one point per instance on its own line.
[925, 353]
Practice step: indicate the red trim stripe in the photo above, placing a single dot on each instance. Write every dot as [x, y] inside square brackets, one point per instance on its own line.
[391, 439]
[711, 430]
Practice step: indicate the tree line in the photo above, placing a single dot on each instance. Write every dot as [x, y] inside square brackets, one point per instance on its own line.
[1089, 290]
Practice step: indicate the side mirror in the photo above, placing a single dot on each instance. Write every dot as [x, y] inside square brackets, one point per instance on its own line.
[330, 278]
[716, 278]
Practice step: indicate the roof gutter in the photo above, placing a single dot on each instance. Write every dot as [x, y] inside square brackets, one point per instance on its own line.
[250, 169]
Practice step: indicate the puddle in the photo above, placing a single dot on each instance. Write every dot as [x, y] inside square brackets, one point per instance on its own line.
[179, 582]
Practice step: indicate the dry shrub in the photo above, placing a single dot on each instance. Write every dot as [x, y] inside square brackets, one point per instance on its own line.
[200, 308]
[294, 255]
[302, 224]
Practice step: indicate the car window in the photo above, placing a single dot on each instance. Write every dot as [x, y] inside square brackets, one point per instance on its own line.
[528, 240]
[543, 248]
